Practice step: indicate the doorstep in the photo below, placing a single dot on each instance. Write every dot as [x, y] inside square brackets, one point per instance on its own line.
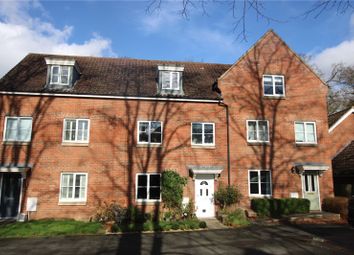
[213, 223]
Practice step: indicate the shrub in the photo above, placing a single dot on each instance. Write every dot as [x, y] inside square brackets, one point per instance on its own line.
[110, 212]
[278, 207]
[227, 195]
[336, 205]
[148, 226]
[175, 225]
[172, 189]
[236, 218]
[202, 224]
[188, 211]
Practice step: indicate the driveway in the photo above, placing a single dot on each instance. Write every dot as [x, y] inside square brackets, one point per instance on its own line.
[256, 239]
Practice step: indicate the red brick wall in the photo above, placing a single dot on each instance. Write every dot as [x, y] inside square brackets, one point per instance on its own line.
[342, 135]
[113, 158]
[305, 100]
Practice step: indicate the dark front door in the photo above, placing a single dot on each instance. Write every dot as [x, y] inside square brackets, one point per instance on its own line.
[10, 194]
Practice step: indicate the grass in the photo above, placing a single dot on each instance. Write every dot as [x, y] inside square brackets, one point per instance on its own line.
[236, 218]
[50, 228]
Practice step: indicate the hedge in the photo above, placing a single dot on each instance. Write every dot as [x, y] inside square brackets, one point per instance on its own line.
[276, 208]
[336, 205]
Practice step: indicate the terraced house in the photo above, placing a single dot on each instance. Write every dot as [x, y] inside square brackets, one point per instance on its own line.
[80, 131]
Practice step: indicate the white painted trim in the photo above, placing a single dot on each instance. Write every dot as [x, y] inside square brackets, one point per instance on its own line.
[18, 118]
[203, 144]
[304, 123]
[59, 83]
[259, 183]
[341, 119]
[149, 134]
[257, 129]
[76, 131]
[73, 199]
[112, 97]
[147, 187]
[58, 61]
[273, 84]
[170, 68]
[20, 198]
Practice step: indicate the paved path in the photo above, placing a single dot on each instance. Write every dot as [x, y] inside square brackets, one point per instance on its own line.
[214, 224]
[278, 239]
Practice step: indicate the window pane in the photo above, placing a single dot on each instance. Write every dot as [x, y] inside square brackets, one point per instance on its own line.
[279, 90]
[263, 130]
[197, 139]
[154, 193]
[310, 132]
[165, 80]
[265, 189]
[143, 137]
[82, 130]
[252, 135]
[254, 189]
[77, 192]
[208, 138]
[253, 176]
[197, 128]
[64, 192]
[142, 193]
[154, 180]
[143, 132]
[268, 90]
[175, 80]
[299, 132]
[143, 126]
[156, 126]
[142, 180]
[11, 129]
[55, 70]
[278, 81]
[82, 192]
[25, 129]
[208, 128]
[71, 180]
[310, 138]
[265, 176]
[155, 138]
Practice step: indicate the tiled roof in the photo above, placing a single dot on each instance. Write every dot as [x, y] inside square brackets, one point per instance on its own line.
[343, 163]
[332, 118]
[114, 76]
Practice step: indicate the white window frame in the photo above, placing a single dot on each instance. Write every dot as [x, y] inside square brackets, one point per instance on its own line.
[203, 142]
[257, 129]
[149, 134]
[147, 187]
[170, 83]
[259, 183]
[304, 123]
[273, 83]
[59, 77]
[76, 131]
[18, 118]
[84, 199]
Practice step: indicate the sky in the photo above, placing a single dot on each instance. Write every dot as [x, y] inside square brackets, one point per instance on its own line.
[127, 29]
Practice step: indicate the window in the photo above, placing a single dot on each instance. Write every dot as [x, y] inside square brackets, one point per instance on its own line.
[73, 187]
[76, 130]
[260, 182]
[150, 132]
[170, 80]
[203, 133]
[18, 129]
[273, 85]
[305, 132]
[148, 187]
[257, 131]
[60, 75]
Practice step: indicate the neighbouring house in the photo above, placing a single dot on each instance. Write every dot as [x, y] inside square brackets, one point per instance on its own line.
[81, 131]
[341, 131]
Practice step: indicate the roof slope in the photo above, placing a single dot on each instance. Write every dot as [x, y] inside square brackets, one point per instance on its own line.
[113, 76]
[334, 117]
[343, 163]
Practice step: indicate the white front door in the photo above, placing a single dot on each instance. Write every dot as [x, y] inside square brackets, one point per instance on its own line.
[204, 197]
[311, 190]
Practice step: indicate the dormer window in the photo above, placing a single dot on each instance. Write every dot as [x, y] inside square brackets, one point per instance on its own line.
[59, 75]
[170, 80]
[62, 73]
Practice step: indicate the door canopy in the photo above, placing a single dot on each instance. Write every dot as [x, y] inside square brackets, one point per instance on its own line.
[22, 169]
[205, 170]
[318, 168]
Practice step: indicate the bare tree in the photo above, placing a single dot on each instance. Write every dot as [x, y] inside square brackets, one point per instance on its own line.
[244, 10]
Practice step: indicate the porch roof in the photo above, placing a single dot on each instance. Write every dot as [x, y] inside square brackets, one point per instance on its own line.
[205, 169]
[310, 166]
[15, 168]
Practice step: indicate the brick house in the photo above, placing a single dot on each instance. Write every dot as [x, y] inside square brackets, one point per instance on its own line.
[341, 133]
[80, 131]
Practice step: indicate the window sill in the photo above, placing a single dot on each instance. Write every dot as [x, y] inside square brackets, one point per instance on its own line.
[209, 147]
[260, 196]
[15, 143]
[274, 97]
[148, 202]
[258, 143]
[306, 144]
[148, 145]
[72, 203]
[75, 144]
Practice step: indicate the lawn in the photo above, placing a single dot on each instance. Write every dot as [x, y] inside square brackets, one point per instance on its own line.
[50, 228]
